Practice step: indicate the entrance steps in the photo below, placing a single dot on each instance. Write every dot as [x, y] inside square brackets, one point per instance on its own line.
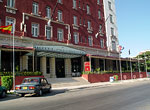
[66, 82]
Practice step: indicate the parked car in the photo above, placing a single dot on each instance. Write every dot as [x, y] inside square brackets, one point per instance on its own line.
[33, 85]
[3, 91]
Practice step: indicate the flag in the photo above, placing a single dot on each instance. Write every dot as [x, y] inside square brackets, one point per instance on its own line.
[120, 48]
[6, 28]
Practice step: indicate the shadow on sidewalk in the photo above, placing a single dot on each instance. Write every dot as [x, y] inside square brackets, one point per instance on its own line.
[9, 97]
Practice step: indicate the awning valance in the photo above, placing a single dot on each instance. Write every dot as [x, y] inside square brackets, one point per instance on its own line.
[59, 49]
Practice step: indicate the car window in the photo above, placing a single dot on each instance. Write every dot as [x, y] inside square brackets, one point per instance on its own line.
[30, 81]
[43, 81]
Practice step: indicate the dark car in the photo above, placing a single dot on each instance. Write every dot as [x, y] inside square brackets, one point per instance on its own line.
[3, 91]
[33, 85]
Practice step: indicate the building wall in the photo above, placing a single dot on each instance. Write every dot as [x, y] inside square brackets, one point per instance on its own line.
[110, 25]
[23, 16]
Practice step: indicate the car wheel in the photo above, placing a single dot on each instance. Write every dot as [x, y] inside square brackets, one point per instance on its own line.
[4, 94]
[40, 93]
[49, 90]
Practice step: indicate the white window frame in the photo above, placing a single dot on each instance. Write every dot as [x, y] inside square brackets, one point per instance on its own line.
[60, 16]
[76, 37]
[75, 20]
[98, 2]
[59, 1]
[102, 43]
[48, 12]
[112, 31]
[90, 40]
[100, 28]
[113, 45]
[48, 31]
[60, 34]
[99, 14]
[11, 3]
[89, 24]
[9, 21]
[88, 9]
[35, 8]
[109, 5]
[111, 18]
[75, 4]
[35, 29]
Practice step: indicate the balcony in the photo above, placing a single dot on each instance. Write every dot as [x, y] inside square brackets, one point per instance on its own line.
[11, 10]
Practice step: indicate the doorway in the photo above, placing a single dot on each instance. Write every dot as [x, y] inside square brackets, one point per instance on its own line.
[60, 69]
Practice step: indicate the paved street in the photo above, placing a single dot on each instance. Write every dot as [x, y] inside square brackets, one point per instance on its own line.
[127, 96]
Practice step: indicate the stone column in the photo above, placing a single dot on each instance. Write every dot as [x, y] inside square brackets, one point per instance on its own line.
[0, 60]
[43, 65]
[96, 61]
[68, 67]
[52, 68]
[25, 62]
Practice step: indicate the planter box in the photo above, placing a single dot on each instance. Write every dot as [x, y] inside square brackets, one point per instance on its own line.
[94, 78]
[19, 79]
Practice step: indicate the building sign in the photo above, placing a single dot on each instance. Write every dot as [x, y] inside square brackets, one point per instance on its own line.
[87, 66]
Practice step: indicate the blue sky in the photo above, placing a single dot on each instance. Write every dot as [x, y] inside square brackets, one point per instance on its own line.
[133, 21]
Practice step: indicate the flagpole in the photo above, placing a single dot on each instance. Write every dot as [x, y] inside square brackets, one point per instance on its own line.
[120, 66]
[145, 65]
[131, 68]
[13, 57]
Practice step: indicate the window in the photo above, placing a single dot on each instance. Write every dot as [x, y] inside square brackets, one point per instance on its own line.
[48, 12]
[89, 24]
[98, 2]
[75, 20]
[88, 9]
[111, 18]
[99, 14]
[59, 15]
[80, 21]
[83, 21]
[112, 31]
[48, 32]
[74, 4]
[59, 1]
[114, 45]
[60, 34]
[35, 8]
[102, 43]
[100, 28]
[79, 4]
[90, 41]
[76, 38]
[109, 5]
[11, 3]
[10, 21]
[35, 29]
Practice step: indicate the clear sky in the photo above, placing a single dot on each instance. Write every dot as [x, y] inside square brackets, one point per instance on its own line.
[133, 21]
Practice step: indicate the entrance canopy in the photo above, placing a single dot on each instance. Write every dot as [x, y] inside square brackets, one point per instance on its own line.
[57, 51]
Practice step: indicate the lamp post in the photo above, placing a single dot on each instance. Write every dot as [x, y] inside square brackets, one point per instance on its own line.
[145, 65]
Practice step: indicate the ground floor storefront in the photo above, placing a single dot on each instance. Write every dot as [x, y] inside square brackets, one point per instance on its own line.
[56, 60]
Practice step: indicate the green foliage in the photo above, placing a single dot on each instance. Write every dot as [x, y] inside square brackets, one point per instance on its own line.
[7, 81]
[24, 73]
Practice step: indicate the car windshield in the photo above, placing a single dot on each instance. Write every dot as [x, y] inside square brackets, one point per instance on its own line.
[31, 81]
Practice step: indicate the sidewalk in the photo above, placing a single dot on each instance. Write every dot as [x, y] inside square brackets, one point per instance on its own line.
[98, 84]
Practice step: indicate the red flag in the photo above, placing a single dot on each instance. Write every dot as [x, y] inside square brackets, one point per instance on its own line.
[6, 28]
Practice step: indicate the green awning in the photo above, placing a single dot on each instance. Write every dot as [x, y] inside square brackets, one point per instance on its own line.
[57, 52]
[59, 49]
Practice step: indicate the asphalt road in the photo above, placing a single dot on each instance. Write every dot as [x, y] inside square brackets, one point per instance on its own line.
[129, 96]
